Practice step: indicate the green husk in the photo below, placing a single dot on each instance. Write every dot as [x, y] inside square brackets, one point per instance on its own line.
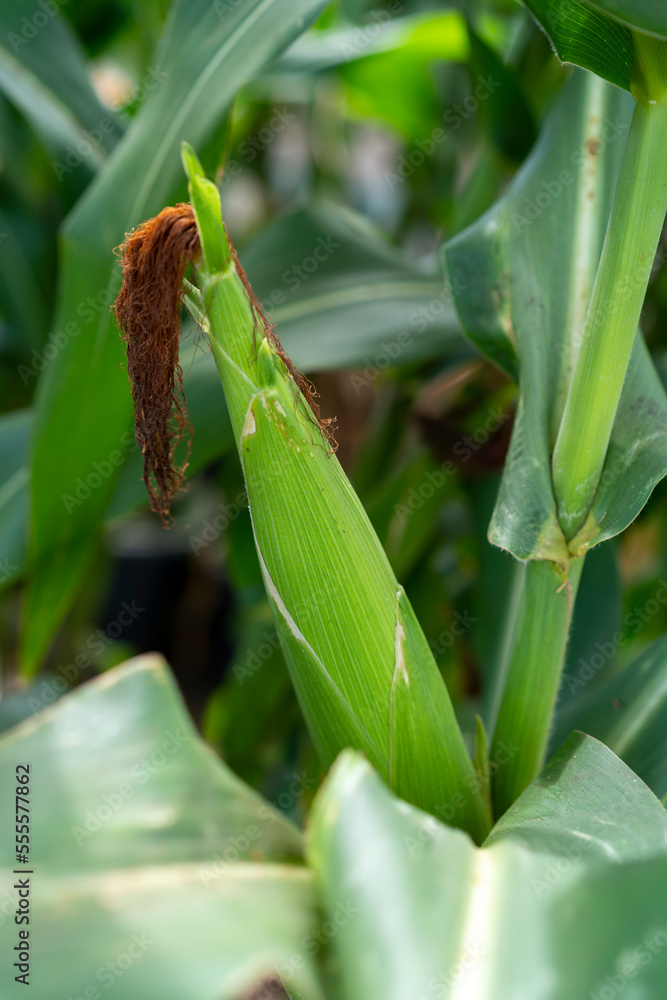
[362, 669]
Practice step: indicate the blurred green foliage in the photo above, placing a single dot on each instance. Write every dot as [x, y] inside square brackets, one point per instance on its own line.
[411, 117]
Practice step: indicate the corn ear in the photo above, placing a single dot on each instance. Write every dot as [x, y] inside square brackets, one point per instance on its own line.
[362, 669]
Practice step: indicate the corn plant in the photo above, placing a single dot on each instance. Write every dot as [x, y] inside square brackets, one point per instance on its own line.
[522, 855]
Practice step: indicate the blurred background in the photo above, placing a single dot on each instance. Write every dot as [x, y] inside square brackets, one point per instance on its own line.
[385, 130]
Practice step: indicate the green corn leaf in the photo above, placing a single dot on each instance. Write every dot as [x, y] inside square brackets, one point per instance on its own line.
[586, 38]
[649, 16]
[43, 71]
[15, 430]
[597, 34]
[205, 55]
[627, 711]
[360, 664]
[134, 820]
[586, 792]
[23, 295]
[528, 266]
[548, 912]
[58, 129]
[122, 719]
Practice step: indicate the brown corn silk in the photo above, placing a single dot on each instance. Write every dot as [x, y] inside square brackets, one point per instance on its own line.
[154, 259]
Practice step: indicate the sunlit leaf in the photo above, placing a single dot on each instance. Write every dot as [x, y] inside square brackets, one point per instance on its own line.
[133, 820]
[429, 914]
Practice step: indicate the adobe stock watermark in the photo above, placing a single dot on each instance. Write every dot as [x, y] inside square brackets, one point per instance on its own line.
[454, 118]
[138, 775]
[360, 38]
[250, 148]
[224, 7]
[295, 275]
[268, 989]
[97, 642]
[634, 622]
[85, 486]
[457, 628]
[635, 277]
[559, 865]
[45, 11]
[7, 569]
[568, 349]
[464, 449]
[445, 812]
[92, 139]
[340, 917]
[311, 943]
[390, 351]
[109, 973]
[629, 963]
[255, 658]
[553, 188]
[59, 339]
[441, 984]
[214, 526]
[237, 846]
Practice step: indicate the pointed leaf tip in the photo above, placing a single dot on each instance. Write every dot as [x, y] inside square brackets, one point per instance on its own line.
[205, 199]
[190, 161]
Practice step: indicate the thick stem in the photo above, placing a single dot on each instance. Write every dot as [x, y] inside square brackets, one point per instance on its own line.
[533, 677]
[635, 225]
